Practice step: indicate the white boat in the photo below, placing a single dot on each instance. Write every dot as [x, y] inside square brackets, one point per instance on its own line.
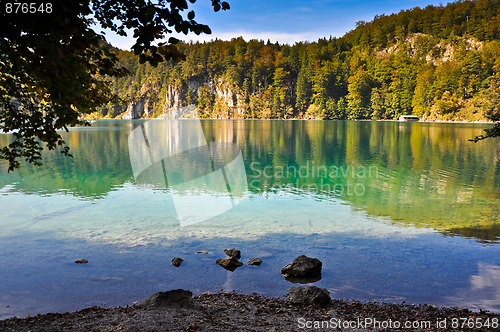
[409, 118]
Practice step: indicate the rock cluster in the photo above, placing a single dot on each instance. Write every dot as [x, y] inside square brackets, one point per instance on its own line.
[232, 262]
[303, 269]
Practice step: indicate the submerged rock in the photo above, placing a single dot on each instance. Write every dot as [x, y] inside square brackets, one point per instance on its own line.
[255, 261]
[233, 253]
[173, 297]
[303, 269]
[202, 252]
[229, 264]
[177, 261]
[81, 261]
[308, 295]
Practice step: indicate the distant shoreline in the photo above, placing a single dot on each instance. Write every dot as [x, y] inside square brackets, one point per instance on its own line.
[294, 119]
[442, 121]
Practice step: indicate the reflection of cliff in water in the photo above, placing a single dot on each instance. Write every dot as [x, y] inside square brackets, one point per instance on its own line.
[420, 174]
[427, 175]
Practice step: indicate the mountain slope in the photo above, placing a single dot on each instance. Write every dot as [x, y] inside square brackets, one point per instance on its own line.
[435, 62]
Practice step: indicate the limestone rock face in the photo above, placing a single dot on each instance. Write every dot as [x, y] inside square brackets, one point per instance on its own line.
[137, 110]
[173, 98]
[228, 100]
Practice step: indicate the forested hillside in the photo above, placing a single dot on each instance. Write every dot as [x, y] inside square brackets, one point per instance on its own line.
[436, 62]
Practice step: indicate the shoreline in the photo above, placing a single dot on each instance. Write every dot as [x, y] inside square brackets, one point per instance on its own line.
[92, 120]
[239, 312]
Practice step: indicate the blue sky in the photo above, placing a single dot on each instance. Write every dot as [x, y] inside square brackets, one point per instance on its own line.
[286, 21]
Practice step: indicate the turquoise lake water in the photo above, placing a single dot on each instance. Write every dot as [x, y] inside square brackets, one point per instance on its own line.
[395, 211]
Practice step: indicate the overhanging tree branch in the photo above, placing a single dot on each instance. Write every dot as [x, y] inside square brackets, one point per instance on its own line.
[51, 61]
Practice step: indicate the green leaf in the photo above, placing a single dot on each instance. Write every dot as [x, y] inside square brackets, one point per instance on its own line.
[206, 29]
[173, 40]
[158, 58]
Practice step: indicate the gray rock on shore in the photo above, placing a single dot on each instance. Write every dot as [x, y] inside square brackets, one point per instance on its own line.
[172, 297]
[231, 311]
[308, 295]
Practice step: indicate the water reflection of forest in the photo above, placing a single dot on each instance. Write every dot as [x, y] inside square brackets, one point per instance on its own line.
[427, 175]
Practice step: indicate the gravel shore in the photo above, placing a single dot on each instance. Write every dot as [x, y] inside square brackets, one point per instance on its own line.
[237, 312]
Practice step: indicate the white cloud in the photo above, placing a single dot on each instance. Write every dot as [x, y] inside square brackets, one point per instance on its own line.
[483, 292]
[125, 43]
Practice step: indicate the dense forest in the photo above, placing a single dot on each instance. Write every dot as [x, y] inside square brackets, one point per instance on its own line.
[437, 62]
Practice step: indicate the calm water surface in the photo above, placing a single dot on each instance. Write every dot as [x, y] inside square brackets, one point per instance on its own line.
[395, 211]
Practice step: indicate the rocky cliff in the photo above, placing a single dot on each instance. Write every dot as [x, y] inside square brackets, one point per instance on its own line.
[222, 100]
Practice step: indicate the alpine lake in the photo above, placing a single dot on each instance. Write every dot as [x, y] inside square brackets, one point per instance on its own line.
[396, 212]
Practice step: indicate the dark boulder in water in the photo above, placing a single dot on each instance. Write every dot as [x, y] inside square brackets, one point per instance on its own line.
[229, 264]
[303, 269]
[177, 261]
[233, 253]
[255, 261]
